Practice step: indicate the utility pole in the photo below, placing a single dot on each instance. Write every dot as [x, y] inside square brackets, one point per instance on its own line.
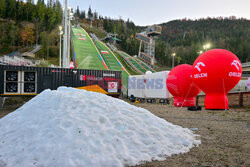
[60, 49]
[139, 49]
[91, 22]
[114, 41]
[65, 37]
[173, 55]
[153, 48]
[68, 53]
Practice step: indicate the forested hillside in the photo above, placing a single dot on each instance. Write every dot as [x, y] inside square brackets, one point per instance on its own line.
[125, 29]
[184, 37]
[187, 37]
[24, 23]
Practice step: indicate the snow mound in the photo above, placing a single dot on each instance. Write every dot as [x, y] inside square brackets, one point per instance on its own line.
[70, 127]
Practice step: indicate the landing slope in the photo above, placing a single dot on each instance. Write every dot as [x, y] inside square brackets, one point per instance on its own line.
[85, 52]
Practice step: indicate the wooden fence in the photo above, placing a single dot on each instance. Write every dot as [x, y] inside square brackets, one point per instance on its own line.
[237, 99]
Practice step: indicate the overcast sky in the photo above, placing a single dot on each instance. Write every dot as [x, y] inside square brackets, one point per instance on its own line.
[147, 12]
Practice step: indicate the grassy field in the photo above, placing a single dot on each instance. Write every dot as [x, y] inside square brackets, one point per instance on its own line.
[85, 50]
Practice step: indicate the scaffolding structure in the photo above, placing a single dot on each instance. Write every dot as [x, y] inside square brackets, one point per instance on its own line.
[147, 38]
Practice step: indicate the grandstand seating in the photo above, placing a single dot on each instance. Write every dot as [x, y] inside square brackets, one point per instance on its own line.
[17, 61]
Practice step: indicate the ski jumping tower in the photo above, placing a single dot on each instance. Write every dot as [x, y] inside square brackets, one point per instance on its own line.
[148, 37]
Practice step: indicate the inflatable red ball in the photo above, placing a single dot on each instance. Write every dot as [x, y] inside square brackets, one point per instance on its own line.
[216, 72]
[181, 86]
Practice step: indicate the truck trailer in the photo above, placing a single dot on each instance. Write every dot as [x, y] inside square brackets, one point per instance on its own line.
[149, 87]
[30, 81]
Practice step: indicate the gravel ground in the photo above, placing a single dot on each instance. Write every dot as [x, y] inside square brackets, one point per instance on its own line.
[225, 135]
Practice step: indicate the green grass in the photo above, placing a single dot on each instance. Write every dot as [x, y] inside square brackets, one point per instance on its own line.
[143, 64]
[135, 63]
[124, 76]
[125, 65]
[86, 52]
[140, 65]
[53, 60]
[110, 59]
[112, 62]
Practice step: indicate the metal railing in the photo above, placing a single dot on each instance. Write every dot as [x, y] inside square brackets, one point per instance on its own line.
[247, 64]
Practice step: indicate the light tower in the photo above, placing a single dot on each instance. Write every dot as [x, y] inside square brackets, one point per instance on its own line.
[60, 49]
[68, 15]
[65, 37]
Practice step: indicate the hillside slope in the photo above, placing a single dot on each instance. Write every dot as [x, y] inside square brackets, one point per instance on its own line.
[86, 54]
[187, 37]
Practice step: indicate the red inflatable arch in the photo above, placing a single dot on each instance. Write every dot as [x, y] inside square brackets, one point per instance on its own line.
[181, 86]
[216, 72]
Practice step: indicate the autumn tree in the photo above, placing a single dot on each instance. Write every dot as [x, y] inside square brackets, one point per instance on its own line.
[27, 35]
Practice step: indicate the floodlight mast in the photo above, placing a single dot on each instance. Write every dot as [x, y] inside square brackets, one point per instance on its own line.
[65, 37]
[68, 47]
[60, 49]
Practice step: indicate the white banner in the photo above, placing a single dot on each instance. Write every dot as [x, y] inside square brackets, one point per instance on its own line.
[248, 83]
[112, 87]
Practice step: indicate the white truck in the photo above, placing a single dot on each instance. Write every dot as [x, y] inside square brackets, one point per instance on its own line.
[150, 87]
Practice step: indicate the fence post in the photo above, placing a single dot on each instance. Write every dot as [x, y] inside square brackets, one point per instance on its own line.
[197, 101]
[241, 99]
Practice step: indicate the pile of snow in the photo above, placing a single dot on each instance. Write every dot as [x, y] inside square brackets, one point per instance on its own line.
[70, 127]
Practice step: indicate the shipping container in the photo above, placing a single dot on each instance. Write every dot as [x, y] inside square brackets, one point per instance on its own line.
[149, 87]
[30, 81]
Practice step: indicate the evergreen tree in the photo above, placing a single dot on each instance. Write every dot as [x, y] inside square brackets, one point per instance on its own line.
[2, 8]
[11, 8]
[90, 14]
[77, 14]
[51, 16]
[82, 15]
[58, 11]
[95, 15]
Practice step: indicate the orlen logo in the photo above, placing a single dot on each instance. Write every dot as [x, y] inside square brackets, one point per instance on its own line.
[201, 75]
[237, 64]
[235, 74]
[197, 66]
[82, 77]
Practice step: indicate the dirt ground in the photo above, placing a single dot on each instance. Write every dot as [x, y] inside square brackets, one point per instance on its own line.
[225, 135]
[11, 104]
